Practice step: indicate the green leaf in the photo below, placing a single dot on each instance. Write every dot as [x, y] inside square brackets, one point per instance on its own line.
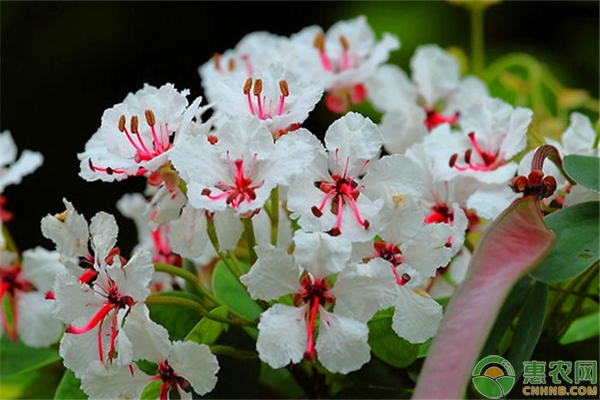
[230, 291]
[152, 391]
[582, 328]
[386, 344]
[16, 358]
[510, 247]
[585, 170]
[529, 327]
[207, 331]
[69, 387]
[576, 248]
[279, 382]
[178, 321]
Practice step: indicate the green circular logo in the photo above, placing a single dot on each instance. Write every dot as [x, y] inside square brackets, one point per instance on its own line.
[493, 377]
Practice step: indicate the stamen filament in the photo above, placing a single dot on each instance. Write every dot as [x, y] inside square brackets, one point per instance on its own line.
[97, 318]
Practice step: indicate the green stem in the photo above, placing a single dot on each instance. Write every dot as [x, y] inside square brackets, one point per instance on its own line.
[477, 57]
[189, 278]
[250, 238]
[274, 214]
[195, 306]
[241, 355]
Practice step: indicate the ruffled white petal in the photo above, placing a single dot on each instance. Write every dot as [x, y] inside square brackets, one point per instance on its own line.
[273, 275]
[37, 326]
[321, 254]
[417, 316]
[68, 230]
[109, 381]
[196, 364]
[282, 336]
[342, 343]
[363, 289]
[40, 267]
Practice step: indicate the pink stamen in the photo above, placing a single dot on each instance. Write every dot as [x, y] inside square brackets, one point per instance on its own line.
[95, 320]
[310, 329]
[164, 390]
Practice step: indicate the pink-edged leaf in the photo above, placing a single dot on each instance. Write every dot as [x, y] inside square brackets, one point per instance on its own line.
[509, 248]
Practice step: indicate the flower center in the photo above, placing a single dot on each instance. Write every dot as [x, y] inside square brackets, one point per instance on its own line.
[343, 191]
[489, 159]
[435, 118]
[11, 283]
[262, 106]
[314, 293]
[170, 380]
[241, 189]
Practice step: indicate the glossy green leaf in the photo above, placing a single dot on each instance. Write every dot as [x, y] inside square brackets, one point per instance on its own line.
[207, 331]
[576, 248]
[16, 358]
[585, 170]
[178, 321]
[386, 344]
[510, 247]
[529, 327]
[583, 328]
[230, 291]
[68, 388]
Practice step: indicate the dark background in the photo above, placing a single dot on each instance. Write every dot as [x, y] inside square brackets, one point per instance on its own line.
[64, 63]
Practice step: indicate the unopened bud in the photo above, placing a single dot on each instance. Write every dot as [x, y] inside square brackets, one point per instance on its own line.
[548, 185]
[535, 178]
[519, 183]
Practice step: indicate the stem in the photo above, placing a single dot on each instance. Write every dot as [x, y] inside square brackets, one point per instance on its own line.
[195, 306]
[274, 214]
[241, 355]
[250, 238]
[189, 278]
[477, 57]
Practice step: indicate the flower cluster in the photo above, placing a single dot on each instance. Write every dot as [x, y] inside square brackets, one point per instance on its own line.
[322, 233]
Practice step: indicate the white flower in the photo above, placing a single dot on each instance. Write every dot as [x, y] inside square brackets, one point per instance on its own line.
[343, 190]
[287, 333]
[273, 94]
[95, 312]
[342, 59]
[253, 51]
[12, 170]
[178, 365]
[242, 167]
[82, 250]
[496, 133]
[26, 285]
[136, 135]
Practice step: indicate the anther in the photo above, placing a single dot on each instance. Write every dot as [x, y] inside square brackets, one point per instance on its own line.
[247, 85]
[319, 42]
[134, 124]
[150, 118]
[334, 232]
[258, 87]
[452, 160]
[344, 42]
[405, 277]
[122, 123]
[217, 61]
[206, 192]
[231, 64]
[316, 212]
[468, 156]
[283, 86]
